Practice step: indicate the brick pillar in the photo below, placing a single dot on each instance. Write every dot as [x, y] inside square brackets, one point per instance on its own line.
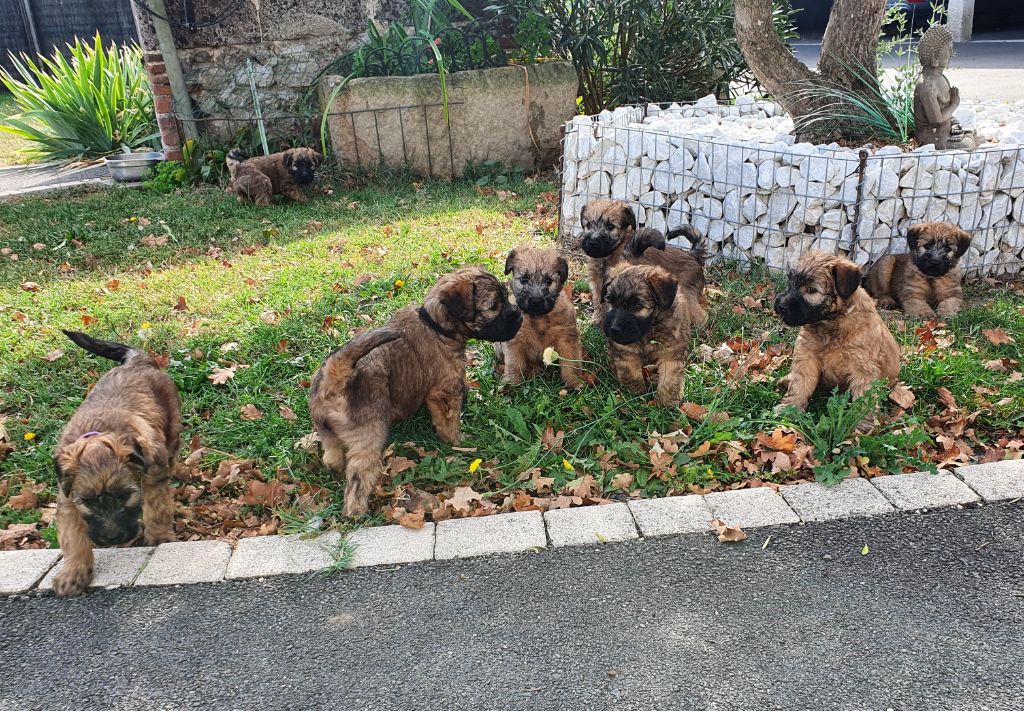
[163, 105]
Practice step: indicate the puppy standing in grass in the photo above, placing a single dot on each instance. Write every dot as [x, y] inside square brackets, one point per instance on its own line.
[114, 459]
[926, 281]
[610, 238]
[383, 376]
[648, 320]
[257, 179]
[843, 342]
[549, 319]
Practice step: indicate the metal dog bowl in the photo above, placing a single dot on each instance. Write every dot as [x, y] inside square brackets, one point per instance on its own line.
[131, 167]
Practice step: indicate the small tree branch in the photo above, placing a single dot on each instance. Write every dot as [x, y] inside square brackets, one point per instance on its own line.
[851, 41]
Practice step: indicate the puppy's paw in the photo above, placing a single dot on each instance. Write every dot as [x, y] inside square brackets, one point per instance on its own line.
[354, 508]
[783, 383]
[72, 580]
[156, 537]
[948, 308]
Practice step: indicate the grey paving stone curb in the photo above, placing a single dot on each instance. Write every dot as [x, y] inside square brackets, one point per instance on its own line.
[180, 563]
[20, 570]
[213, 561]
[849, 499]
[115, 567]
[505, 533]
[997, 481]
[750, 508]
[671, 515]
[923, 490]
[590, 524]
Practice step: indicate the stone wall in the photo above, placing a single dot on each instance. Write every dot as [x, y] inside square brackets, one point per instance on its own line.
[288, 42]
[737, 175]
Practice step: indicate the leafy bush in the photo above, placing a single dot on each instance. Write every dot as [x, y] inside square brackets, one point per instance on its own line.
[95, 103]
[198, 165]
[632, 51]
[492, 172]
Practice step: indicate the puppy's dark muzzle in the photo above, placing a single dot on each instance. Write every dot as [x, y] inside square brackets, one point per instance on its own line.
[597, 245]
[111, 537]
[933, 267]
[785, 309]
[503, 328]
[536, 306]
[623, 331]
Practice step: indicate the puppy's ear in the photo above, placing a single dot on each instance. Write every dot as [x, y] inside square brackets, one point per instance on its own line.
[963, 241]
[629, 217]
[914, 234]
[137, 457]
[646, 238]
[663, 288]
[317, 159]
[65, 478]
[563, 269]
[510, 261]
[847, 278]
[287, 159]
[459, 300]
[604, 293]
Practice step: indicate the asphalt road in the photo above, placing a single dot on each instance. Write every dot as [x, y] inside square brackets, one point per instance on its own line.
[931, 618]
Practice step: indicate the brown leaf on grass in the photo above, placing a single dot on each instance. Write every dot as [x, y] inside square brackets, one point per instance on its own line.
[287, 413]
[778, 440]
[693, 411]
[181, 305]
[998, 365]
[251, 412]
[397, 465]
[751, 303]
[541, 484]
[54, 355]
[29, 286]
[479, 229]
[997, 336]
[269, 317]
[584, 487]
[23, 500]
[1015, 376]
[308, 443]
[153, 241]
[411, 519]
[946, 398]
[195, 456]
[114, 284]
[623, 481]
[903, 396]
[702, 450]
[87, 319]
[551, 440]
[219, 376]
[270, 494]
[726, 533]
[462, 499]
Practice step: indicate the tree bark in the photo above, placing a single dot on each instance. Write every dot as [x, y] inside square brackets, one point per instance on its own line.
[847, 50]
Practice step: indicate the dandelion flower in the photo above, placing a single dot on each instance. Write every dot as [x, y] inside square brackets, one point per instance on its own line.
[550, 356]
[147, 324]
[474, 465]
[399, 283]
[29, 436]
[567, 465]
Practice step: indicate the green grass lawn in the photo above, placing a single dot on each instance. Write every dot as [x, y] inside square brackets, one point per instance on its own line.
[267, 293]
[9, 144]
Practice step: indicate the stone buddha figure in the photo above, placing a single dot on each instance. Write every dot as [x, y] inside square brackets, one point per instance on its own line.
[934, 99]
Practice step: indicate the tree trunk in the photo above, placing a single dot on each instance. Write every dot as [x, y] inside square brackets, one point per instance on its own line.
[848, 48]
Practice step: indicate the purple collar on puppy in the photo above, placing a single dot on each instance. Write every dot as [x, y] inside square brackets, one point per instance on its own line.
[88, 434]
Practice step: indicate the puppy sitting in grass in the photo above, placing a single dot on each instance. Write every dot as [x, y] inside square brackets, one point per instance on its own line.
[843, 342]
[647, 321]
[926, 281]
[383, 376]
[549, 319]
[610, 238]
[114, 461]
[257, 179]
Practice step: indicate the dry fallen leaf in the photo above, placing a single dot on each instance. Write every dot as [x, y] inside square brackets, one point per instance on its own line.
[54, 355]
[726, 533]
[24, 500]
[181, 305]
[903, 396]
[412, 519]
[219, 376]
[286, 412]
[946, 398]
[397, 465]
[997, 336]
[693, 411]
[258, 493]
[268, 317]
[29, 286]
[251, 412]
[778, 441]
[153, 241]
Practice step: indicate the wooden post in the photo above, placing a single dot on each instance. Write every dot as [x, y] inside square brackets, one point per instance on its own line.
[164, 37]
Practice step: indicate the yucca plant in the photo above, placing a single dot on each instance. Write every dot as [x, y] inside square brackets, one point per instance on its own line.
[90, 103]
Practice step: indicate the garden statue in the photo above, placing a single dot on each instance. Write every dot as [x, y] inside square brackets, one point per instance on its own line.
[934, 99]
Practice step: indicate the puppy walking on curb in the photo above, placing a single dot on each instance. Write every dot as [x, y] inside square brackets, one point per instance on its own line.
[258, 179]
[383, 376]
[114, 460]
[843, 342]
[926, 281]
[549, 319]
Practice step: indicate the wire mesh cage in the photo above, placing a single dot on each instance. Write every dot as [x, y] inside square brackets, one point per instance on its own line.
[772, 202]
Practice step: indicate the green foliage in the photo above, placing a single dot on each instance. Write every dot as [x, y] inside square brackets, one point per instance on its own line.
[492, 172]
[833, 436]
[633, 51]
[198, 165]
[91, 103]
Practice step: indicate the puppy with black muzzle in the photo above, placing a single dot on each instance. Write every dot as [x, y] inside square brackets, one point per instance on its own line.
[257, 179]
[611, 238]
[538, 278]
[383, 376]
[114, 461]
[648, 321]
[843, 342]
[925, 281]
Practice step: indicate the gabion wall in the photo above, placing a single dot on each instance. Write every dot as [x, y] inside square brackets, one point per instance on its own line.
[735, 173]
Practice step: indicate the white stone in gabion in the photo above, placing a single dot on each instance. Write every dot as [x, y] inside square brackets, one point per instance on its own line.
[833, 219]
[848, 499]
[664, 180]
[580, 142]
[487, 535]
[766, 174]
[652, 198]
[1013, 239]
[911, 492]
[599, 185]
[815, 168]
[20, 570]
[810, 192]
[891, 211]
[115, 567]
[658, 147]
[798, 153]
[949, 185]
[671, 515]
[719, 231]
[753, 207]
[786, 176]
[780, 206]
[708, 101]
[656, 221]
[997, 481]
[590, 524]
[702, 168]
[1012, 179]
[391, 545]
[750, 508]
[744, 237]
[182, 563]
[1000, 207]
[681, 160]
[263, 556]
[888, 182]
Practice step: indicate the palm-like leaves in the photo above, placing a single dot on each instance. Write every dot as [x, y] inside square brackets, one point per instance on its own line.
[90, 103]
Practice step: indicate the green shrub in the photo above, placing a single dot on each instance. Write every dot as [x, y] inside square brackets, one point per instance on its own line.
[199, 164]
[632, 51]
[91, 103]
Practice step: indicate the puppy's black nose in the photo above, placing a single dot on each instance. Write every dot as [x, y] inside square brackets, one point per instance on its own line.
[780, 305]
[535, 302]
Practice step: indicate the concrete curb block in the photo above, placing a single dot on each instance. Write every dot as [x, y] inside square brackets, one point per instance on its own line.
[213, 561]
